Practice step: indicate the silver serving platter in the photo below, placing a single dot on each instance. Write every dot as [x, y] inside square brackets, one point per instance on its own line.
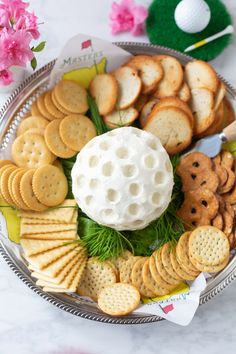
[11, 114]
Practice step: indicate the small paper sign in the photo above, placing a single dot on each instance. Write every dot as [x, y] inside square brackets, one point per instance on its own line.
[84, 56]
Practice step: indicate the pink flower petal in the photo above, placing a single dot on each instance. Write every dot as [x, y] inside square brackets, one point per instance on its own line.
[15, 48]
[140, 14]
[6, 77]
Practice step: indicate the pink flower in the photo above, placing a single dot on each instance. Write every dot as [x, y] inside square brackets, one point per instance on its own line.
[4, 18]
[28, 22]
[15, 48]
[127, 16]
[6, 77]
[12, 10]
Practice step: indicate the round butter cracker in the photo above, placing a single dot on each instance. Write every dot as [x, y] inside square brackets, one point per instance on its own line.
[5, 162]
[34, 110]
[15, 188]
[30, 150]
[33, 122]
[42, 108]
[4, 184]
[10, 183]
[71, 96]
[76, 131]
[51, 107]
[58, 105]
[50, 185]
[54, 141]
[27, 193]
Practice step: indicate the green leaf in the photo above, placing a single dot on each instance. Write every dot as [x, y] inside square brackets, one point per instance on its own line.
[39, 47]
[101, 241]
[95, 117]
[67, 165]
[34, 63]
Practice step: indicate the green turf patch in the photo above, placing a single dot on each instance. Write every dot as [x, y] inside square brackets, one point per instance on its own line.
[162, 29]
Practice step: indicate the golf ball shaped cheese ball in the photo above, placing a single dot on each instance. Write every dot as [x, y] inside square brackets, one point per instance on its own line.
[123, 179]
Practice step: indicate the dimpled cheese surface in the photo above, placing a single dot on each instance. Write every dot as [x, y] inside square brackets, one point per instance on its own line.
[123, 179]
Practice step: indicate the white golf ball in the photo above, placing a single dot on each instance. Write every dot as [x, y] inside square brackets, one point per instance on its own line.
[192, 16]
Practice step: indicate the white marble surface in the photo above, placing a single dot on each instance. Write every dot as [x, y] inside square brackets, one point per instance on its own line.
[28, 324]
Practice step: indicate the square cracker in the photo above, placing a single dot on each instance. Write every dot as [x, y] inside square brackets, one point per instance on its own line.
[44, 259]
[40, 275]
[33, 247]
[29, 221]
[63, 235]
[62, 213]
[55, 290]
[55, 269]
[69, 278]
[42, 228]
[32, 221]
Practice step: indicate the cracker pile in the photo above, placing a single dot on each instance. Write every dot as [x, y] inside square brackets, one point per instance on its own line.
[118, 285]
[32, 189]
[209, 187]
[159, 274]
[161, 93]
[50, 245]
[40, 142]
